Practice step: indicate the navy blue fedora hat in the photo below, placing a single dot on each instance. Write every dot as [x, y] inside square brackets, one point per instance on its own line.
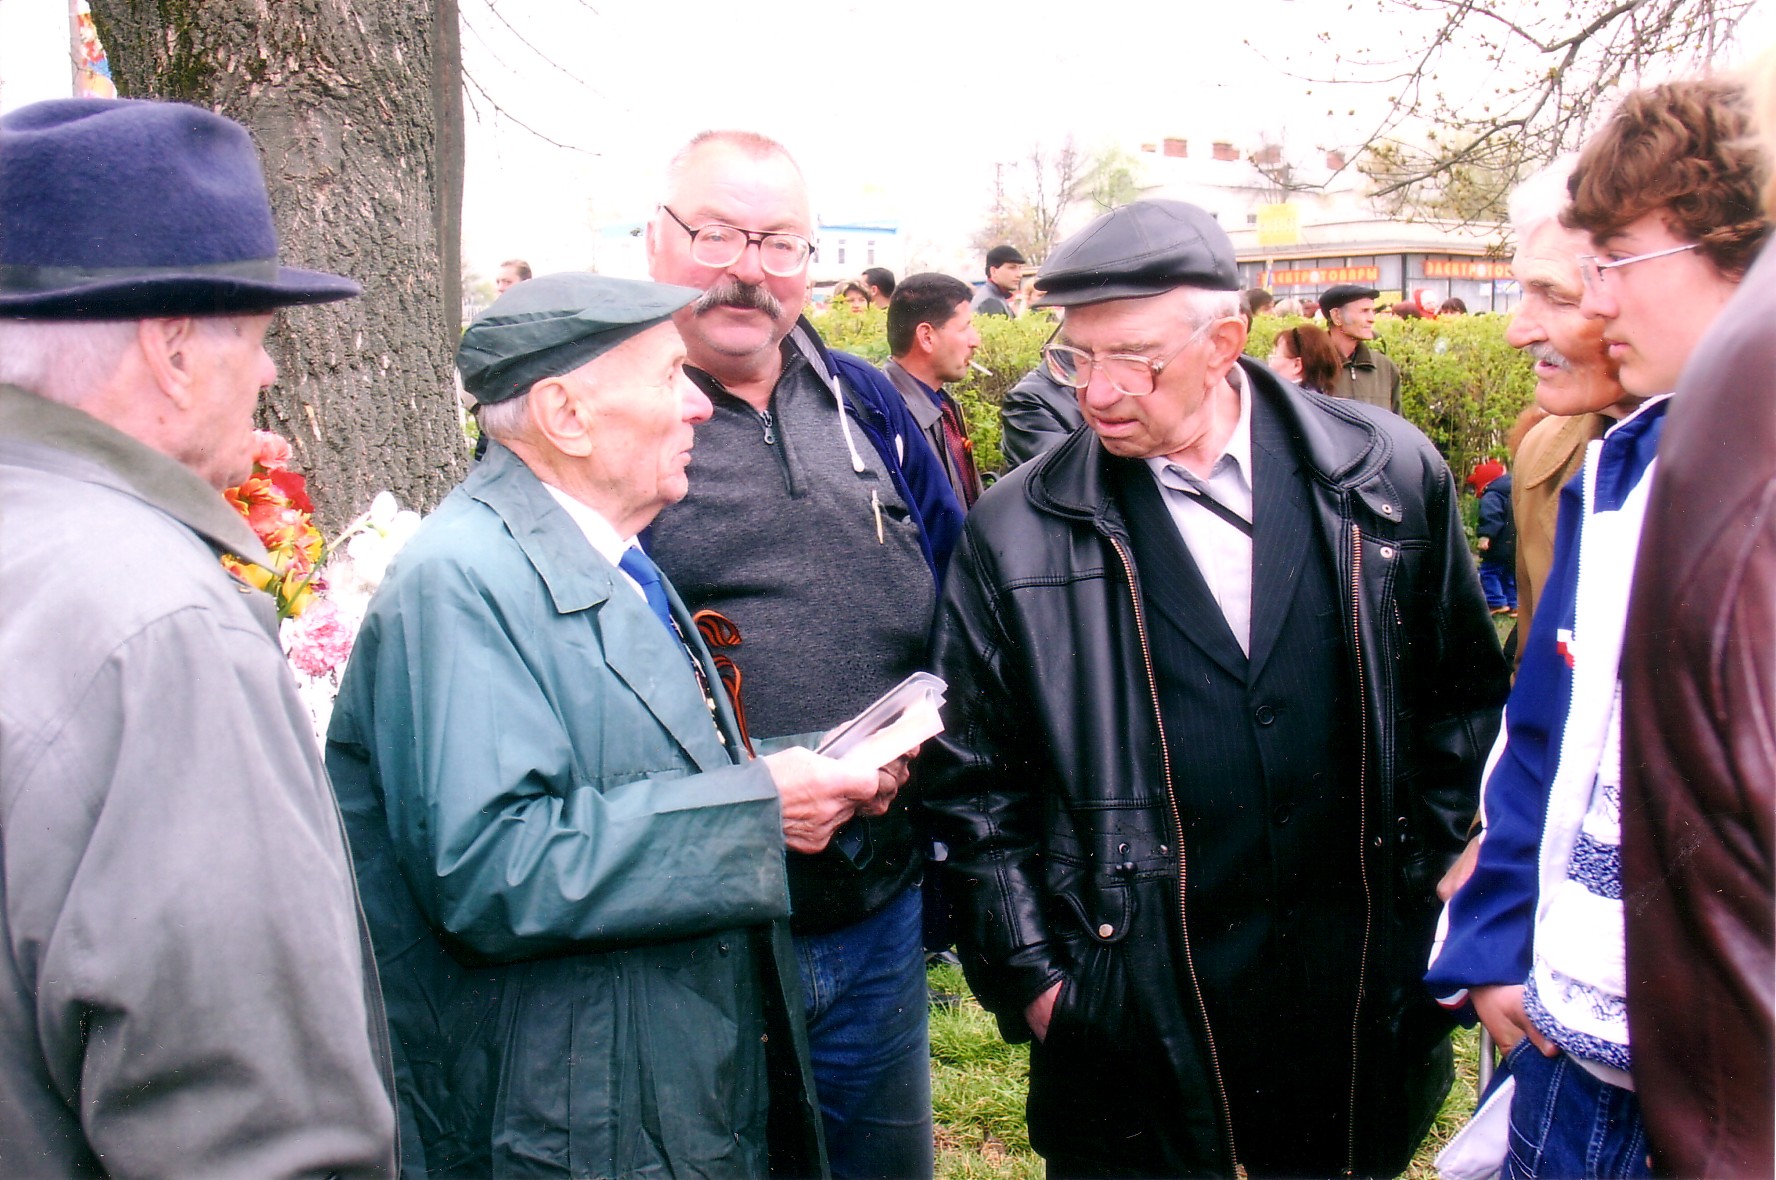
[125, 209]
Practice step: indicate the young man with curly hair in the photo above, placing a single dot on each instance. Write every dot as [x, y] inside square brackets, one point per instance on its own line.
[1667, 191]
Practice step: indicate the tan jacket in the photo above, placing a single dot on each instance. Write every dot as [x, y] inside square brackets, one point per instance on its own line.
[1550, 455]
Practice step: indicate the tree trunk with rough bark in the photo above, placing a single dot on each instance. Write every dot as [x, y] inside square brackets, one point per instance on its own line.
[356, 108]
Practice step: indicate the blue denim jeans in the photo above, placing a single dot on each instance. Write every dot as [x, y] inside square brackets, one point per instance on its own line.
[867, 1002]
[1568, 1124]
[1499, 582]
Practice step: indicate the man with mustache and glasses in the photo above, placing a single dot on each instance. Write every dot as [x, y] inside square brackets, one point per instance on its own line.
[1667, 191]
[818, 528]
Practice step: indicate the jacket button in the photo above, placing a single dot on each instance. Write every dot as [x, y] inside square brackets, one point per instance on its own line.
[1164, 850]
[1264, 715]
[1106, 930]
[1387, 552]
[722, 947]
[1282, 814]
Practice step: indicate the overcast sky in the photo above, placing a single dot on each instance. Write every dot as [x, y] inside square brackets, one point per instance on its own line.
[895, 110]
[898, 110]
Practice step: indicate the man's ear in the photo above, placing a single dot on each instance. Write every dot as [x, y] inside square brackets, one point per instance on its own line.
[167, 346]
[560, 417]
[1227, 340]
[925, 337]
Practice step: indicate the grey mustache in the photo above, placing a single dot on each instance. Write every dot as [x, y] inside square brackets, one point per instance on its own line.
[1548, 354]
[731, 292]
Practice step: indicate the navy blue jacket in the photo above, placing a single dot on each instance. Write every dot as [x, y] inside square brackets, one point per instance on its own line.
[918, 476]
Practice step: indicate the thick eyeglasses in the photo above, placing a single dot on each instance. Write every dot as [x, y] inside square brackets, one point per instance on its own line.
[1592, 269]
[718, 246]
[1129, 373]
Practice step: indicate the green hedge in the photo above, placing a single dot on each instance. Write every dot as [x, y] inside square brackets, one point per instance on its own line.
[1461, 383]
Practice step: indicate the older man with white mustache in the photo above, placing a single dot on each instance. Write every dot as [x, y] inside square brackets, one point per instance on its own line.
[1534, 939]
[1576, 381]
[1576, 384]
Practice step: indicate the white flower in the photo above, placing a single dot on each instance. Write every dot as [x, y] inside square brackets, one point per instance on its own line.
[383, 509]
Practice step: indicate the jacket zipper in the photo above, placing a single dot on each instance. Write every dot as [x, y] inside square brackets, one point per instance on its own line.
[1356, 588]
[768, 425]
[1165, 762]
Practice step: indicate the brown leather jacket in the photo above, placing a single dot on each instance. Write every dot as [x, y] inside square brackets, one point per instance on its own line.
[1699, 686]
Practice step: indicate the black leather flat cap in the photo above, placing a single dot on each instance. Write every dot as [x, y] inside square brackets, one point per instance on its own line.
[1142, 248]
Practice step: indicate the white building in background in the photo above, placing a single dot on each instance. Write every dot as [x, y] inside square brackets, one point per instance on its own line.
[1300, 228]
[845, 249]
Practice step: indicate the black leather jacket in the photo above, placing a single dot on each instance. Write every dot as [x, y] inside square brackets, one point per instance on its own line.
[1053, 791]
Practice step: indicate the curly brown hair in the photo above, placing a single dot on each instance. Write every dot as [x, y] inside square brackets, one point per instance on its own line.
[1683, 149]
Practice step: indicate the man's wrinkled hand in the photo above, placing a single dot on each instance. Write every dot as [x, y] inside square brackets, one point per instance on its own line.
[1500, 1008]
[889, 780]
[819, 795]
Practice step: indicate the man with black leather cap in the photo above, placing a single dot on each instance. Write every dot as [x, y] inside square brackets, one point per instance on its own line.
[1222, 681]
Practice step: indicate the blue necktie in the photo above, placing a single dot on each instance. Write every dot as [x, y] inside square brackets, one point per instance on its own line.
[641, 567]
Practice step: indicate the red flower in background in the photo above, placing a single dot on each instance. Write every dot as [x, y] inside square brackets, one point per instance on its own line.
[274, 502]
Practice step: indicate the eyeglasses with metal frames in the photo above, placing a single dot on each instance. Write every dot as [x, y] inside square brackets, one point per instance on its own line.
[1592, 269]
[1129, 373]
[717, 246]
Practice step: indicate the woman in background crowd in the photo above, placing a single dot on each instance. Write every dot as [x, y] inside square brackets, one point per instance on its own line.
[1305, 355]
[855, 297]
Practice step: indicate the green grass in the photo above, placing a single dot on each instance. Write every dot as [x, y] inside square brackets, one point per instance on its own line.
[978, 1083]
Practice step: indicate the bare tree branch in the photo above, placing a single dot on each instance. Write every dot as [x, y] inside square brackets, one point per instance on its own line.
[470, 81]
[526, 42]
[1432, 155]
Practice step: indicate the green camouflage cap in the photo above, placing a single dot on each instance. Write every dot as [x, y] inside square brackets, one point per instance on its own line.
[553, 324]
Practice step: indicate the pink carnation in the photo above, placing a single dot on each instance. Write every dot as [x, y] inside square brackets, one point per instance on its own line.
[271, 451]
[319, 640]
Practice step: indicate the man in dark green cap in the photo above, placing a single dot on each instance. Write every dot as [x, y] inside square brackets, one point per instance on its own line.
[573, 871]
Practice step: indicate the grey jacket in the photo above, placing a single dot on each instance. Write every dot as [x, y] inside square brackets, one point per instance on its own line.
[988, 300]
[929, 415]
[183, 988]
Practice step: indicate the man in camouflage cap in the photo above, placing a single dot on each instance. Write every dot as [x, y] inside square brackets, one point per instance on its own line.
[573, 869]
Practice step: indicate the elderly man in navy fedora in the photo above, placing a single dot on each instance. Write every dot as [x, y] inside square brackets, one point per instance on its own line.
[184, 984]
[1222, 683]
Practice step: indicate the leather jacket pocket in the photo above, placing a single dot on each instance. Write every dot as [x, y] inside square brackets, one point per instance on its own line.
[1095, 1004]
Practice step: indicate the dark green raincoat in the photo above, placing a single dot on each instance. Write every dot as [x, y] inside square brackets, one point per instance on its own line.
[575, 886]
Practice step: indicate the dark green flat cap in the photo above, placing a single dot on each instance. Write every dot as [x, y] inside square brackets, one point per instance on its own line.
[553, 324]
